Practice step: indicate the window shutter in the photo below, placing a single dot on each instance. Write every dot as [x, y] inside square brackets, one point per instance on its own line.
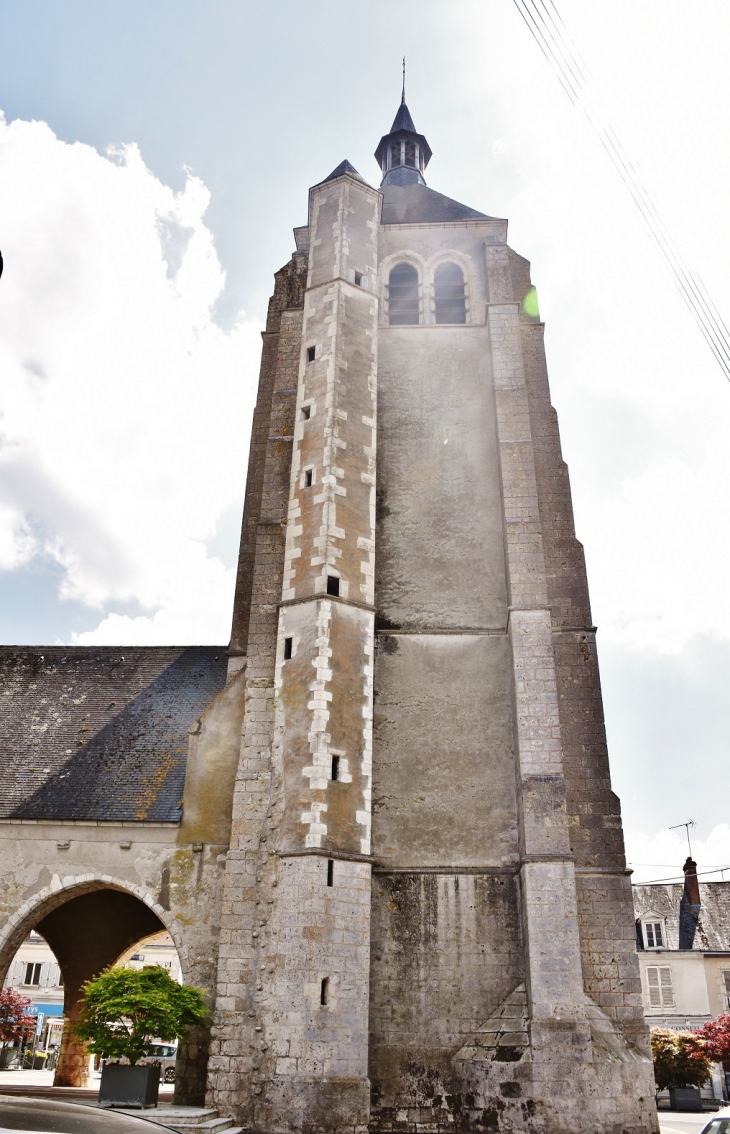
[726, 981]
[18, 973]
[665, 977]
[43, 977]
[655, 995]
[52, 975]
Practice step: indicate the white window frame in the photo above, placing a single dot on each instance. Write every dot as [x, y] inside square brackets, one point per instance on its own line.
[653, 921]
[725, 976]
[660, 987]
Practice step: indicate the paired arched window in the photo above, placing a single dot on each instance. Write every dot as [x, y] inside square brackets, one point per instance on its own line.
[449, 294]
[449, 298]
[403, 295]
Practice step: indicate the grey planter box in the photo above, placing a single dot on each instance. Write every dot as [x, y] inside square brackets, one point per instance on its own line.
[685, 1098]
[124, 1085]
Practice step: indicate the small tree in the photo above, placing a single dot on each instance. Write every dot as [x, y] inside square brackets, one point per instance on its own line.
[15, 1020]
[680, 1059]
[715, 1036]
[124, 1010]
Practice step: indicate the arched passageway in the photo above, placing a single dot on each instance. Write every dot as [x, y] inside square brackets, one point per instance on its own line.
[89, 925]
[87, 933]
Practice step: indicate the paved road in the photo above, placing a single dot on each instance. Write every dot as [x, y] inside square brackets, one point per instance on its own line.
[683, 1123]
[33, 1116]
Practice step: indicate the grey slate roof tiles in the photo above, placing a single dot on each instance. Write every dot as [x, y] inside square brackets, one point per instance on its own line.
[711, 929]
[417, 204]
[100, 733]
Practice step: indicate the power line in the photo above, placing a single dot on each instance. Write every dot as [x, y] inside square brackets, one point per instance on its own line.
[680, 877]
[550, 34]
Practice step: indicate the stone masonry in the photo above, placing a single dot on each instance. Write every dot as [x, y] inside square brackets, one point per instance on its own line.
[420, 656]
[384, 840]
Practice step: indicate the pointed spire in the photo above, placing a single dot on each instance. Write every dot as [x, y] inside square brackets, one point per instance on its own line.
[403, 153]
[403, 120]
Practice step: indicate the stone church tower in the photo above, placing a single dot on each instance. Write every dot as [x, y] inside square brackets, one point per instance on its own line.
[426, 917]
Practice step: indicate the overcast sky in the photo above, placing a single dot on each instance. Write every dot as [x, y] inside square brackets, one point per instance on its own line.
[153, 161]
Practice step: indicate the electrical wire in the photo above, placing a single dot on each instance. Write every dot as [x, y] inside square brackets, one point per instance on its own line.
[549, 32]
[680, 878]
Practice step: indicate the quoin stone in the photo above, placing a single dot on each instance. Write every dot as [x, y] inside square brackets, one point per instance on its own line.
[380, 825]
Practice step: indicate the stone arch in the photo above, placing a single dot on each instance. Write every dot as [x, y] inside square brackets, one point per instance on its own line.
[89, 921]
[405, 256]
[449, 256]
[57, 893]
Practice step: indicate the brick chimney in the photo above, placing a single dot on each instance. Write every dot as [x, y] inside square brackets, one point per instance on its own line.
[691, 885]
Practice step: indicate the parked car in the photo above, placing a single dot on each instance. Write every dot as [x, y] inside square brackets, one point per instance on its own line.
[719, 1123]
[18, 1114]
[165, 1054]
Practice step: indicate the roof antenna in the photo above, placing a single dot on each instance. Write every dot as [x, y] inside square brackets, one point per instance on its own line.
[687, 825]
[403, 96]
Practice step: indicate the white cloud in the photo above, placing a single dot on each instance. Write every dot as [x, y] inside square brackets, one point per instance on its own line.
[126, 409]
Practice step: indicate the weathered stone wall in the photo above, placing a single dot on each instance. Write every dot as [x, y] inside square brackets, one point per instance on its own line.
[291, 1038]
[57, 874]
[489, 752]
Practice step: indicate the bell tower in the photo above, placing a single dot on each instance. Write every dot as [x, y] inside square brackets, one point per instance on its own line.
[427, 916]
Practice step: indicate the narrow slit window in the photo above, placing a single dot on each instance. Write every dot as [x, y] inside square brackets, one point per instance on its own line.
[335, 767]
[311, 353]
[403, 295]
[449, 294]
[333, 585]
[324, 991]
[306, 413]
[287, 648]
[330, 872]
[307, 478]
[358, 279]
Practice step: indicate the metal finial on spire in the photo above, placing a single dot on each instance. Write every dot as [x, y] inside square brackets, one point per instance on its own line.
[403, 96]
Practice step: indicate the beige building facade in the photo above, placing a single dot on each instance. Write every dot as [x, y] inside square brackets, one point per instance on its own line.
[379, 827]
[683, 945]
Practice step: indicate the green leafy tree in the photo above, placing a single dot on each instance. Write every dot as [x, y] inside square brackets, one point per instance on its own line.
[125, 1010]
[15, 1020]
[680, 1059]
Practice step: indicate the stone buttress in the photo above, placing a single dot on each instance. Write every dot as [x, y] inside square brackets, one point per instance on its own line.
[291, 1042]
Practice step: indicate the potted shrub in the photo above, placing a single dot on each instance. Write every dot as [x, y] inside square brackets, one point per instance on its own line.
[123, 1011]
[681, 1065]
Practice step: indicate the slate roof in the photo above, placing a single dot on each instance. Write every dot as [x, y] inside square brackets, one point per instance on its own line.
[703, 929]
[403, 120]
[100, 733]
[344, 167]
[417, 204]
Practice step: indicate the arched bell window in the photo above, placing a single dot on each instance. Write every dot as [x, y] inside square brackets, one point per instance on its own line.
[450, 301]
[403, 295]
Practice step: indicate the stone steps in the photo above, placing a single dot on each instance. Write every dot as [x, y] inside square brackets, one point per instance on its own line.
[189, 1119]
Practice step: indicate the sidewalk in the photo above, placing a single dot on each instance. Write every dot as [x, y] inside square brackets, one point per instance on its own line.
[39, 1084]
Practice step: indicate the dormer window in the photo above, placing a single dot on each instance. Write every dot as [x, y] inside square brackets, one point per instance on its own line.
[654, 936]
